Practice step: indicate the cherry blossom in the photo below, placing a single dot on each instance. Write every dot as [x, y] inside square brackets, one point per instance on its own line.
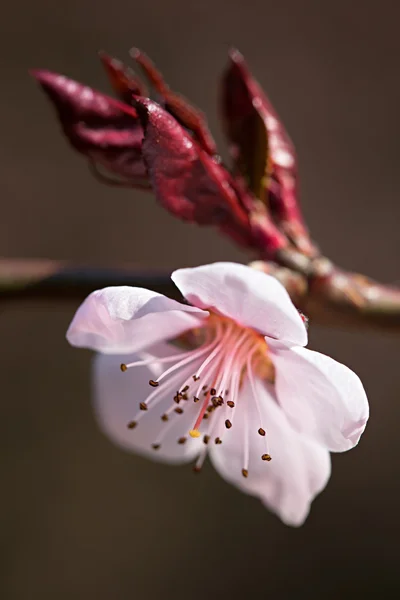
[226, 375]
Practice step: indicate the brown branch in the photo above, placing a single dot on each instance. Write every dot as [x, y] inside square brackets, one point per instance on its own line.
[22, 279]
[327, 295]
[336, 298]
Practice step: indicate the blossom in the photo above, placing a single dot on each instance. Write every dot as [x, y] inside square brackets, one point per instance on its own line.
[225, 375]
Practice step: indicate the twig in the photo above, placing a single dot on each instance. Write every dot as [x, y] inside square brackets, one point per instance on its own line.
[22, 279]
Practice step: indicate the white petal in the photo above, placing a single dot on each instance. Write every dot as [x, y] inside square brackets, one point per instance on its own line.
[246, 295]
[126, 319]
[298, 471]
[116, 401]
[323, 398]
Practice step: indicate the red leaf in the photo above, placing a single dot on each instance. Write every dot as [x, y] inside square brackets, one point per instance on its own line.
[187, 115]
[103, 129]
[122, 78]
[190, 183]
[261, 148]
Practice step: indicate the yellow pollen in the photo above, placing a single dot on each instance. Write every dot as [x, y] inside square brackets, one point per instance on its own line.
[194, 433]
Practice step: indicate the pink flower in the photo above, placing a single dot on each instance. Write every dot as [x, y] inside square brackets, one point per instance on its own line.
[229, 377]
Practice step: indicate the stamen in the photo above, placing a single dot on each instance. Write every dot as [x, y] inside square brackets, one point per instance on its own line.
[182, 440]
[143, 406]
[200, 461]
[153, 383]
[195, 354]
[132, 425]
[194, 433]
[167, 359]
[232, 366]
[206, 439]
[266, 457]
[230, 404]
[245, 441]
[261, 431]
[158, 394]
[179, 411]
[218, 440]
[156, 446]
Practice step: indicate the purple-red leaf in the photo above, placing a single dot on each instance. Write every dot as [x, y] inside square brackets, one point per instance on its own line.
[103, 129]
[262, 150]
[193, 185]
[187, 115]
[123, 80]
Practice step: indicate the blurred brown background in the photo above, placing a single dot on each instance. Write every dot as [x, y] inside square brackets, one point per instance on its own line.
[80, 518]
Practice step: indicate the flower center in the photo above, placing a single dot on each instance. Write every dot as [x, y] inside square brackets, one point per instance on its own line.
[211, 375]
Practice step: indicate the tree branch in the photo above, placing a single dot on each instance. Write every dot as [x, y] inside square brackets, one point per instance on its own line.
[22, 279]
[335, 299]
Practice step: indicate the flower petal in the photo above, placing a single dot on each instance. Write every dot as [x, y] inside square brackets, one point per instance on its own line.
[298, 471]
[116, 401]
[323, 398]
[128, 319]
[246, 295]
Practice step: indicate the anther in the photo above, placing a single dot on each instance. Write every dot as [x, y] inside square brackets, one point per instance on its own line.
[196, 469]
[153, 383]
[195, 377]
[132, 425]
[156, 446]
[164, 417]
[196, 399]
[204, 388]
[143, 406]
[213, 391]
[228, 424]
[178, 411]
[230, 404]
[266, 457]
[215, 402]
[261, 431]
[194, 433]
[181, 440]
[123, 367]
[206, 439]
[185, 389]
[210, 409]
[218, 440]
[245, 473]
[177, 397]
[206, 416]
